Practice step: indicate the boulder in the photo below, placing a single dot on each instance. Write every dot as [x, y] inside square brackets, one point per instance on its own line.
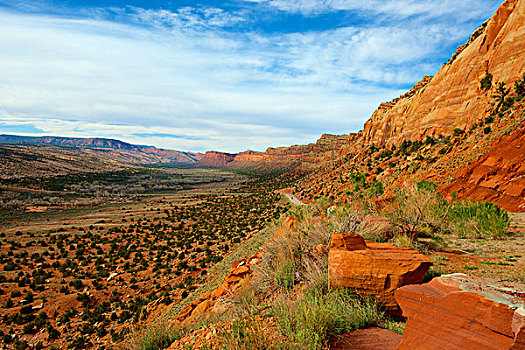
[463, 312]
[371, 268]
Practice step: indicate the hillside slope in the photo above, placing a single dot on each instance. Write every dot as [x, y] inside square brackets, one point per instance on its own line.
[447, 128]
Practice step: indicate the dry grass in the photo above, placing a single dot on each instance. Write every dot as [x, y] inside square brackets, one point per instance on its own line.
[156, 335]
[245, 334]
[312, 320]
[301, 253]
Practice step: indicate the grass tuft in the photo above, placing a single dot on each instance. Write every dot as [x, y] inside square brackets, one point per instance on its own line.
[155, 335]
[312, 320]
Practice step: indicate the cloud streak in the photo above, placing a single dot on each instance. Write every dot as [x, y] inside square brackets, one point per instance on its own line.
[214, 77]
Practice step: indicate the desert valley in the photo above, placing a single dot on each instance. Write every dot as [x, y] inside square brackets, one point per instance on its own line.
[408, 234]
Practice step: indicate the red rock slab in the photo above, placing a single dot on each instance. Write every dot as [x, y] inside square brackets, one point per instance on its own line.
[373, 338]
[463, 312]
[370, 268]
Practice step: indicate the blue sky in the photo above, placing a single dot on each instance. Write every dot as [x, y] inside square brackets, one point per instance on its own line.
[223, 75]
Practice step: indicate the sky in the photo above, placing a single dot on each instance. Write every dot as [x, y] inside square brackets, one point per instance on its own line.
[217, 75]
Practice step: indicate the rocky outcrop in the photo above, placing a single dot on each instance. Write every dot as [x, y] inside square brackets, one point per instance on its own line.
[453, 97]
[327, 143]
[200, 308]
[309, 156]
[463, 312]
[213, 159]
[370, 268]
[248, 157]
[498, 176]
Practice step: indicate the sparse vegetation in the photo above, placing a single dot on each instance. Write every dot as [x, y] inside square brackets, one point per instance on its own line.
[157, 335]
[420, 210]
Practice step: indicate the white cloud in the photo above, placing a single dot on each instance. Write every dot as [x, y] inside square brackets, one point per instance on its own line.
[468, 9]
[179, 72]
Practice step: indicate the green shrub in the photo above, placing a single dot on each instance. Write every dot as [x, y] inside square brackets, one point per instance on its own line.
[478, 220]
[500, 95]
[417, 208]
[458, 131]
[314, 319]
[420, 209]
[284, 276]
[486, 82]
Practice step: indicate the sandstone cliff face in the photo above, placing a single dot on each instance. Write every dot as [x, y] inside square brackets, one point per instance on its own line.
[214, 159]
[327, 143]
[311, 155]
[453, 97]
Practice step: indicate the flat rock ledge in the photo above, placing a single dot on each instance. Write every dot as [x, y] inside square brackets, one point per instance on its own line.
[373, 338]
[463, 312]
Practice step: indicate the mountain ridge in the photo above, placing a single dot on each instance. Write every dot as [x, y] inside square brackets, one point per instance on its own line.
[122, 151]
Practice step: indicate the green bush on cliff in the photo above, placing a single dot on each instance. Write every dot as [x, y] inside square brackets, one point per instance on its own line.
[486, 82]
[478, 220]
[420, 208]
[519, 88]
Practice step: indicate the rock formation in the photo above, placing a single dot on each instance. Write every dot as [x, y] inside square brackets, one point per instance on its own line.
[199, 308]
[368, 339]
[213, 159]
[498, 176]
[453, 97]
[370, 268]
[463, 312]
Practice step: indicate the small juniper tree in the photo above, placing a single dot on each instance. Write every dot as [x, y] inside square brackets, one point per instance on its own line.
[486, 82]
[519, 87]
[500, 94]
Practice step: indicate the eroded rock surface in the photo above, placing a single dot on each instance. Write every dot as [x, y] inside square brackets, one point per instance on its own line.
[371, 268]
[373, 338]
[203, 306]
[463, 312]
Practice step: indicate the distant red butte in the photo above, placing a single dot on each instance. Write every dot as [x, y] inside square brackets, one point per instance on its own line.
[213, 159]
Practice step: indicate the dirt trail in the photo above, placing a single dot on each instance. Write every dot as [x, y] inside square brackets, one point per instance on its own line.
[517, 222]
[293, 199]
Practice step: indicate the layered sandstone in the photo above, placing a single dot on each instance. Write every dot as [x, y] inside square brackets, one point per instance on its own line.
[453, 97]
[373, 338]
[308, 156]
[371, 268]
[463, 312]
[498, 176]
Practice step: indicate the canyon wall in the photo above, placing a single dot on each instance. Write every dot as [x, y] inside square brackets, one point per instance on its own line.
[453, 98]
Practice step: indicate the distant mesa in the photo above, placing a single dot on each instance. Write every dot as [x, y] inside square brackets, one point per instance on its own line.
[213, 159]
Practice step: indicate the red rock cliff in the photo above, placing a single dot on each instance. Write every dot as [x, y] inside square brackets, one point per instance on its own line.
[453, 97]
[215, 159]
